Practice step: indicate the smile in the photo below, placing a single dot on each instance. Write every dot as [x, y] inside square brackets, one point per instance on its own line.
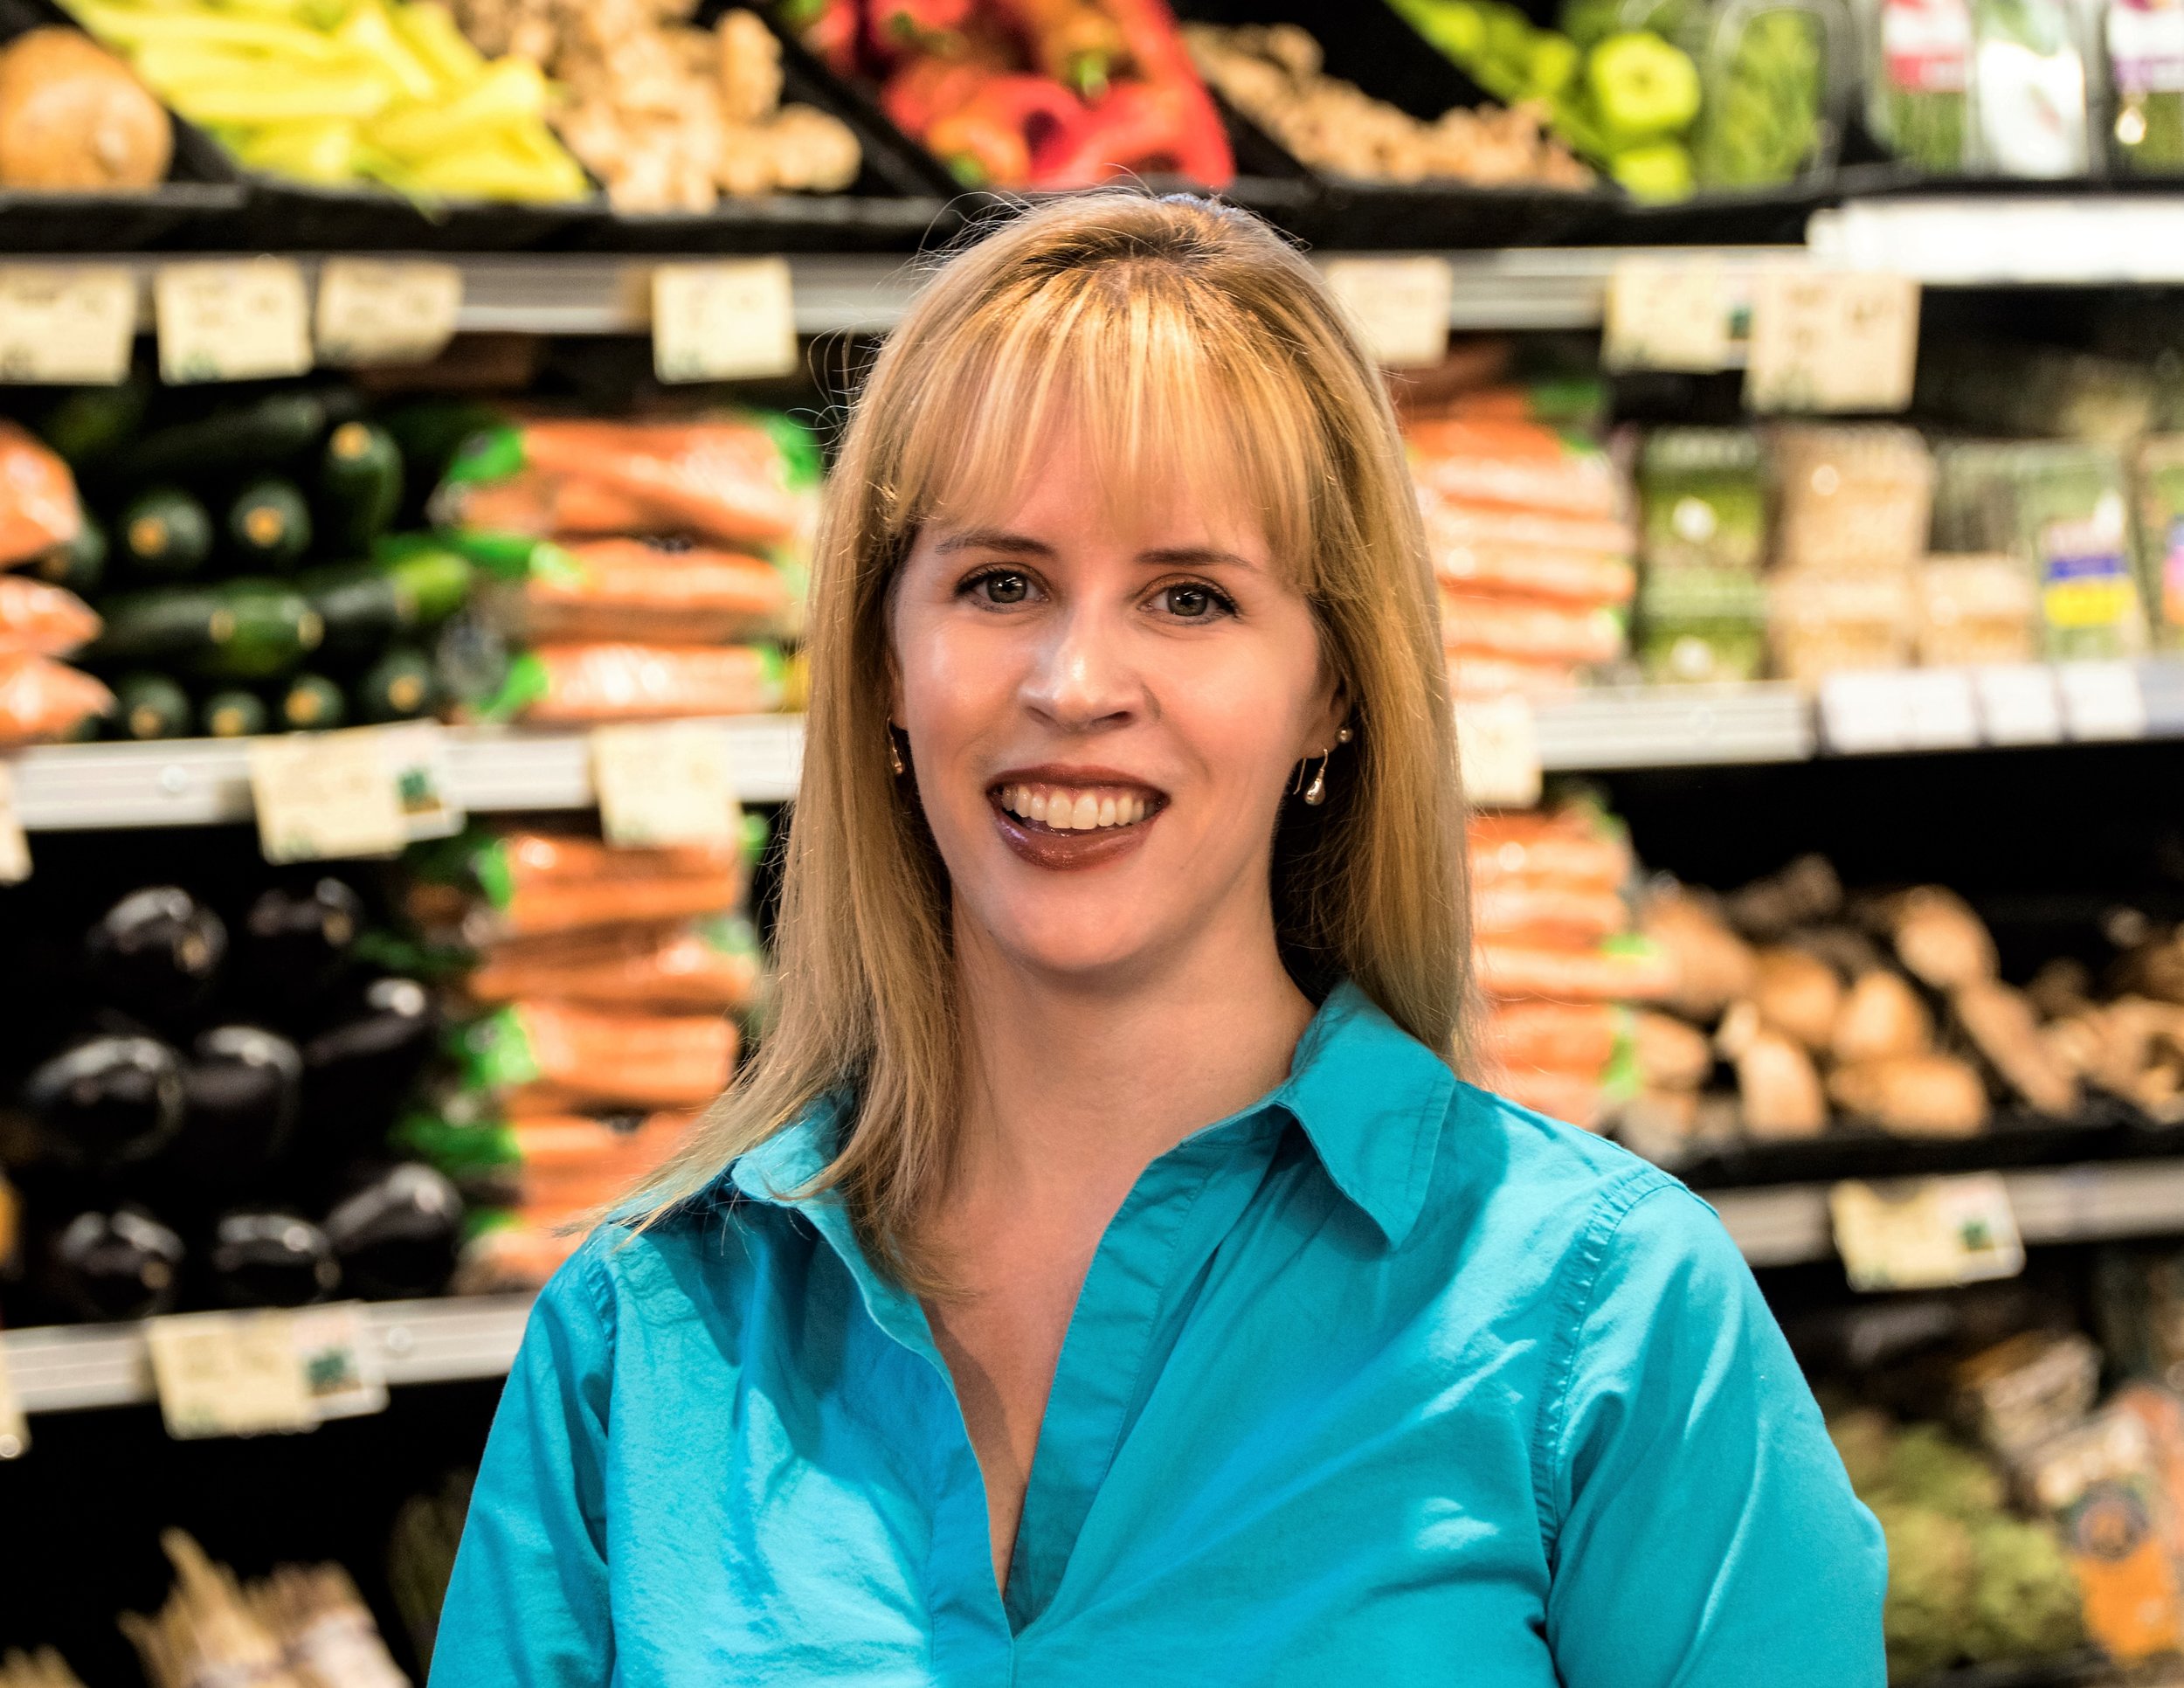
[1061, 823]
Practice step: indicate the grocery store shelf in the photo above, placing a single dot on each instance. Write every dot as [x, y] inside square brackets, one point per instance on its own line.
[204, 782]
[2064, 238]
[1675, 726]
[1789, 1226]
[70, 1367]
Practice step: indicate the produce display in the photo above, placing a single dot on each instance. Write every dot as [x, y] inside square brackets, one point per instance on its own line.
[598, 994]
[72, 116]
[669, 116]
[384, 91]
[43, 531]
[1527, 523]
[200, 1097]
[1008, 93]
[2146, 62]
[1272, 73]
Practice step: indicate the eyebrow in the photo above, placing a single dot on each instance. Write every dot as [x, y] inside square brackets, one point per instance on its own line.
[1017, 544]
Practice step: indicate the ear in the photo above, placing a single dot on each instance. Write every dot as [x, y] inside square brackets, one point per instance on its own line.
[1330, 710]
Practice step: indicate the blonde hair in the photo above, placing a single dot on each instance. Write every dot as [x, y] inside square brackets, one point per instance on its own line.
[1189, 346]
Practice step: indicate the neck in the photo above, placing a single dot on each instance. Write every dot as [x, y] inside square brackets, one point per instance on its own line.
[1073, 1087]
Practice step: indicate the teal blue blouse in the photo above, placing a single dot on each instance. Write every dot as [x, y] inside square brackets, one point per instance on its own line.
[1382, 1380]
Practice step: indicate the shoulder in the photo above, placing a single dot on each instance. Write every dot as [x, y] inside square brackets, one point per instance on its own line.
[692, 1260]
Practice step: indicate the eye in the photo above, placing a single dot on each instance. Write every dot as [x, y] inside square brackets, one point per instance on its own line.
[1193, 600]
[1001, 586]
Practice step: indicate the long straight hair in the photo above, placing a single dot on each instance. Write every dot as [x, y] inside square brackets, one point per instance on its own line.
[1194, 352]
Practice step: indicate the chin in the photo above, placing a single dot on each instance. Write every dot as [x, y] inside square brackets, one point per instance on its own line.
[1085, 941]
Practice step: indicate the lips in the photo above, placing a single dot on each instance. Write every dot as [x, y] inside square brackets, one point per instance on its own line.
[1065, 818]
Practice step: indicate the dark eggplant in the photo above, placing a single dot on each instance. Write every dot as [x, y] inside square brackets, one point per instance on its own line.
[124, 1264]
[296, 943]
[395, 1237]
[107, 1102]
[358, 1069]
[272, 1260]
[156, 952]
[240, 1090]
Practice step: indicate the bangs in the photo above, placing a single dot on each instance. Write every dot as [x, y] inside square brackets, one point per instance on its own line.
[1175, 395]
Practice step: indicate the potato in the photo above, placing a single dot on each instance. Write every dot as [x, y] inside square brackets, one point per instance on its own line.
[1881, 1015]
[1914, 1096]
[72, 115]
[1799, 995]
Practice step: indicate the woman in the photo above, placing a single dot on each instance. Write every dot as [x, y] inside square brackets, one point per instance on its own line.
[1101, 1276]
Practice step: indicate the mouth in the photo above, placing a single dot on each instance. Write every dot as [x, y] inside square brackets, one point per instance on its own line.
[1066, 818]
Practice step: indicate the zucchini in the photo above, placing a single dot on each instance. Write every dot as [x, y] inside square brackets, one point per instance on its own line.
[165, 532]
[360, 486]
[312, 703]
[150, 705]
[397, 687]
[366, 605]
[233, 714]
[274, 429]
[261, 629]
[93, 422]
[163, 625]
[78, 565]
[269, 525]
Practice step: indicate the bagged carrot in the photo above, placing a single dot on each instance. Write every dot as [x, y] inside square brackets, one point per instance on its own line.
[1518, 464]
[625, 589]
[545, 1058]
[1570, 1037]
[1577, 577]
[577, 683]
[713, 964]
[1529, 631]
[1486, 674]
[1548, 912]
[1568, 847]
[41, 699]
[36, 620]
[490, 888]
[1619, 969]
[37, 498]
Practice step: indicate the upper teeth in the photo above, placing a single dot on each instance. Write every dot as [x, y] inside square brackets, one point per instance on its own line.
[1066, 810]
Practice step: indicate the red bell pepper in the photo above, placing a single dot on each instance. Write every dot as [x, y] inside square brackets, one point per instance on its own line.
[1150, 30]
[926, 89]
[1152, 127]
[1072, 41]
[989, 140]
[828, 28]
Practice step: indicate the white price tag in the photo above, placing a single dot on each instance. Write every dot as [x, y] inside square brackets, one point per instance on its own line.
[1943, 713]
[66, 327]
[229, 1374]
[2019, 703]
[724, 322]
[2102, 700]
[341, 1376]
[1498, 747]
[664, 785]
[1927, 1235]
[15, 849]
[1829, 340]
[1861, 713]
[371, 312]
[1665, 314]
[322, 796]
[1399, 307]
[15, 1430]
[230, 319]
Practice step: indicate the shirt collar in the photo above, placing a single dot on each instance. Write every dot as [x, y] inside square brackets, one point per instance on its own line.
[1370, 1098]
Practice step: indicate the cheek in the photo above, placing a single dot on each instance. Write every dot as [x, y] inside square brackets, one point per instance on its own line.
[951, 686]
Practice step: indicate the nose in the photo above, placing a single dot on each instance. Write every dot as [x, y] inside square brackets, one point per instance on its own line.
[1084, 678]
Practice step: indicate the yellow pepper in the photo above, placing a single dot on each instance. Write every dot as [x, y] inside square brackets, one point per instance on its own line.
[512, 88]
[434, 36]
[370, 33]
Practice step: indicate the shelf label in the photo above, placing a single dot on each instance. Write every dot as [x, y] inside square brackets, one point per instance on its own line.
[230, 319]
[341, 1376]
[229, 1374]
[2102, 700]
[1497, 745]
[15, 1430]
[1399, 307]
[416, 753]
[664, 785]
[15, 849]
[1831, 340]
[1926, 1235]
[72, 327]
[1862, 712]
[1944, 713]
[2019, 704]
[371, 312]
[1665, 314]
[322, 796]
[724, 322]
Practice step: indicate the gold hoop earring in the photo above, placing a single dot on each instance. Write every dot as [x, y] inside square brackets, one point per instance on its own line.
[895, 754]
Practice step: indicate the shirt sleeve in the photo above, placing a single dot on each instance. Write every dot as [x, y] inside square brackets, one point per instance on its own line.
[1704, 1534]
[527, 1604]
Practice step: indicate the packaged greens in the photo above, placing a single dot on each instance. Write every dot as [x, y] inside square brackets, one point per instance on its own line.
[2146, 70]
[1701, 624]
[2061, 509]
[2160, 484]
[1702, 492]
[2029, 67]
[1918, 81]
[1766, 117]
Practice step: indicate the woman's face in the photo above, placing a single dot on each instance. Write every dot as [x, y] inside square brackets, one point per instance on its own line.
[1103, 721]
